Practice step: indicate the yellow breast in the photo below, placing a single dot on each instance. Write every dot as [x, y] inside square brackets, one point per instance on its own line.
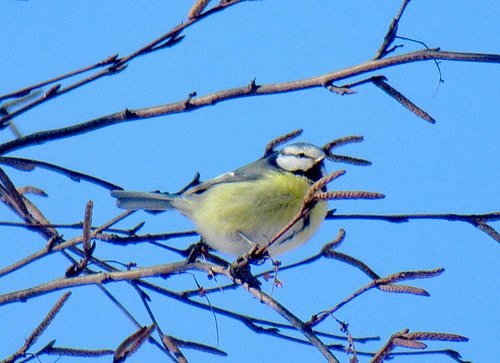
[230, 216]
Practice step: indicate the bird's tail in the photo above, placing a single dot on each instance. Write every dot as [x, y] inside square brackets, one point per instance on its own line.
[141, 200]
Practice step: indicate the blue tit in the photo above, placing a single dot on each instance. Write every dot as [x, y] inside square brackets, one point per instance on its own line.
[249, 205]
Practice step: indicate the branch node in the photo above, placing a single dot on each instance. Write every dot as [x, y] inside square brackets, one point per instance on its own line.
[241, 272]
[252, 86]
[113, 59]
[129, 114]
[52, 91]
[117, 68]
[187, 102]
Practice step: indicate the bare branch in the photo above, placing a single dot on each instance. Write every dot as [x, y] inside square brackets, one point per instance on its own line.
[211, 99]
[98, 278]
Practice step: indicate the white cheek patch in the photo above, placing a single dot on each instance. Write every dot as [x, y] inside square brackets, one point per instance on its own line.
[292, 163]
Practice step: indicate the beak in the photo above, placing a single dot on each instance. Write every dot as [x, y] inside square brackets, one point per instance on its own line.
[319, 159]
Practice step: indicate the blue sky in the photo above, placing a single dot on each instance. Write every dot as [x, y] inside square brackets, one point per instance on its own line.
[451, 166]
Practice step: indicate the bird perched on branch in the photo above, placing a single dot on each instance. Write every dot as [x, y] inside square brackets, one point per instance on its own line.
[249, 205]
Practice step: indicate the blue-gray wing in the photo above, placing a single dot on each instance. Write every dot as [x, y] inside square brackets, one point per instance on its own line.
[252, 171]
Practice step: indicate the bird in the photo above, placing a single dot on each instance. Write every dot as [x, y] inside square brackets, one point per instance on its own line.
[250, 205]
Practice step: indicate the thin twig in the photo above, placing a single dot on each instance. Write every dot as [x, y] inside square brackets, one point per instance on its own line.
[118, 240]
[28, 90]
[134, 321]
[327, 251]
[198, 346]
[33, 337]
[294, 320]
[391, 33]
[30, 164]
[477, 220]
[59, 247]
[388, 280]
[116, 64]
[249, 321]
